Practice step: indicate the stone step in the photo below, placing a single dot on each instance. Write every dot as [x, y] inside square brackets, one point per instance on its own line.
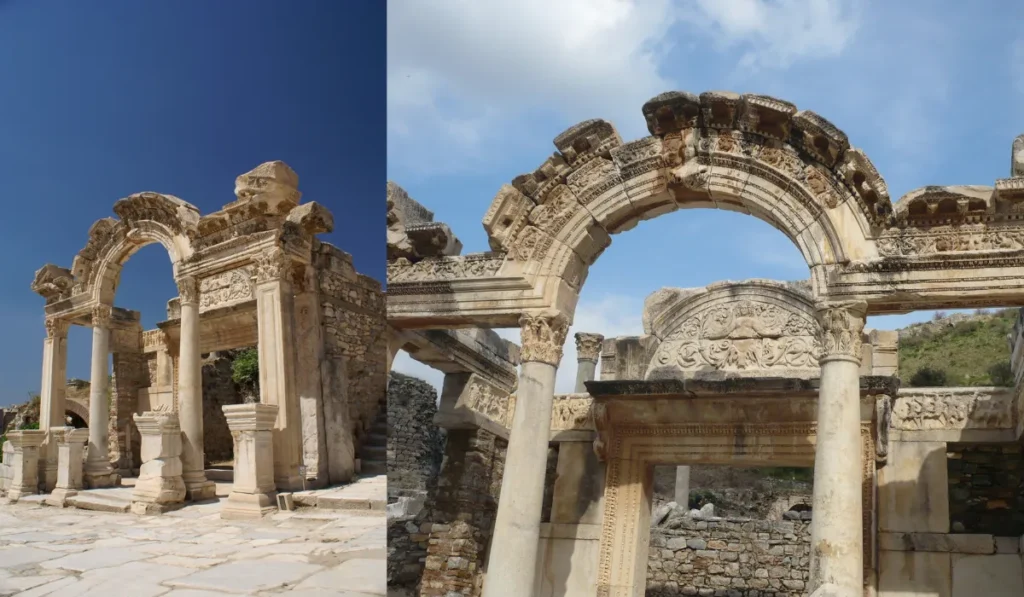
[335, 502]
[99, 503]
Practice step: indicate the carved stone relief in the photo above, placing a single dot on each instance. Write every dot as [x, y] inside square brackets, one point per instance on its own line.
[227, 288]
[573, 412]
[445, 268]
[952, 409]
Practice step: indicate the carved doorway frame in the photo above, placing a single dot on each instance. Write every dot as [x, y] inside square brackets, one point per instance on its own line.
[634, 450]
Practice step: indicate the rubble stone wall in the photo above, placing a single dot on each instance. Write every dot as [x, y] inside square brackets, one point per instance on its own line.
[986, 488]
[353, 315]
[218, 390]
[732, 556]
[415, 443]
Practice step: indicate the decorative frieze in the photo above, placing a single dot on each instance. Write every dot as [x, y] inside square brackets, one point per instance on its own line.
[927, 409]
[573, 412]
[480, 265]
[227, 288]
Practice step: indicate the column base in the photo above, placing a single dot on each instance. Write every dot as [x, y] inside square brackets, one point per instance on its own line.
[99, 478]
[16, 493]
[59, 497]
[291, 483]
[149, 508]
[248, 506]
[200, 491]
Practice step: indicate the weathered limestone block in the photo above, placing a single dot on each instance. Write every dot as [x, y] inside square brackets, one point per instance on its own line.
[25, 463]
[910, 574]
[253, 493]
[70, 456]
[160, 486]
[915, 476]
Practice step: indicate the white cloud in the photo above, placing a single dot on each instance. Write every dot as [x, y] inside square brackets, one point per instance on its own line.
[778, 33]
[404, 363]
[458, 67]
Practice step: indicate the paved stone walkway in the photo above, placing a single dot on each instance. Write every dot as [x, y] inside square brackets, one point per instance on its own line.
[53, 552]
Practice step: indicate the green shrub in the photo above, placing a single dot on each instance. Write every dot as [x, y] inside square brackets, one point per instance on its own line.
[245, 371]
[928, 377]
[1000, 374]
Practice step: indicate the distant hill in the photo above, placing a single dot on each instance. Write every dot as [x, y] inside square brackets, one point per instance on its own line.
[958, 350]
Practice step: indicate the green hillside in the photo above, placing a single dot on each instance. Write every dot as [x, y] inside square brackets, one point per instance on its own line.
[965, 351]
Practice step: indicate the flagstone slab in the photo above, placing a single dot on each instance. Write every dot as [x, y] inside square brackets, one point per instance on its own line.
[247, 576]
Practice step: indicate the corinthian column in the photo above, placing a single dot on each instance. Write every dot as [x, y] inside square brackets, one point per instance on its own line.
[275, 314]
[837, 536]
[190, 395]
[98, 472]
[512, 560]
[52, 393]
[588, 348]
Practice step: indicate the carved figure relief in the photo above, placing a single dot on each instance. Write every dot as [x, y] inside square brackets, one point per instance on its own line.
[742, 335]
[572, 412]
[952, 409]
[488, 401]
[226, 288]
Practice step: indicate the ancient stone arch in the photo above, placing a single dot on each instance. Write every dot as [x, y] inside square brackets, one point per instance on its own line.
[77, 408]
[937, 247]
[252, 273]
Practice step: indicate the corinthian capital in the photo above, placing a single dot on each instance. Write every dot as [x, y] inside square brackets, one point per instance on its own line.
[842, 325]
[56, 328]
[101, 315]
[271, 264]
[588, 346]
[188, 290]
[542, 337]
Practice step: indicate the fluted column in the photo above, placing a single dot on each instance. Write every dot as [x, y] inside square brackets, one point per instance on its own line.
[52, 393]
[275, 313]
[512, 558]
[837, 536]
[190, 395]
[588, 349]
[98, 472]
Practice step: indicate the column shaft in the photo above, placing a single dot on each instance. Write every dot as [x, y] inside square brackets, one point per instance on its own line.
[52, 395]
[837, 536]
[98, 472]
[190, 396]
[585, 370]
[512, 558]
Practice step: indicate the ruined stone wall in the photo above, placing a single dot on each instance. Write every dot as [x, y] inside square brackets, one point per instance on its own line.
[353, 315]
[444, 547]
[130, 374]
[415, 443]
[986, 488]
[218, 390]
[734, 556]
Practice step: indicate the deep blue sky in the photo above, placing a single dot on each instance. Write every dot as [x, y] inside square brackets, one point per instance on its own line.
[102, 100]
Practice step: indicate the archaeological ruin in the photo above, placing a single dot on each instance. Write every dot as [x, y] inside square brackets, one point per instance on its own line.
[915, 490]
[253, 274]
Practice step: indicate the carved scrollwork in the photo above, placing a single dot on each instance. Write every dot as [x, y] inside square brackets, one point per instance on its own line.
[588, 346]
[949, 239]
[542, 337]
[444, 268]
[226, 288]
[188, 290]
[842, 326]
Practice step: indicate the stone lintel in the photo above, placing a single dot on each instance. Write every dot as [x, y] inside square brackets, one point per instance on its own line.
[751, 386]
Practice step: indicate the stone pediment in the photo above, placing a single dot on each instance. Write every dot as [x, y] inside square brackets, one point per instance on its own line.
[754, 328]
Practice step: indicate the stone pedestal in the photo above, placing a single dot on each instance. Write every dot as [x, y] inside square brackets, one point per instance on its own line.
[70, 444]
[253, 492]
[98, 472]
[512, 562]
[25, 464]
[837, 535]
[160, 486]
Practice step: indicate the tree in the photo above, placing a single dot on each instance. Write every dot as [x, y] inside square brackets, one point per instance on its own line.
[1000, 374]
[928, 377]
[245, 371]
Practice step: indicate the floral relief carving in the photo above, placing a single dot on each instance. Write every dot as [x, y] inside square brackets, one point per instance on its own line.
[842, 326]
[917, 410]
[542, 337]
[444, 268]
[742, 335]
[226, 288]
[946, 239]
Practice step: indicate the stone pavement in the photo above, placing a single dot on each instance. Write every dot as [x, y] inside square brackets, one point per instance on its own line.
[191, 552]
